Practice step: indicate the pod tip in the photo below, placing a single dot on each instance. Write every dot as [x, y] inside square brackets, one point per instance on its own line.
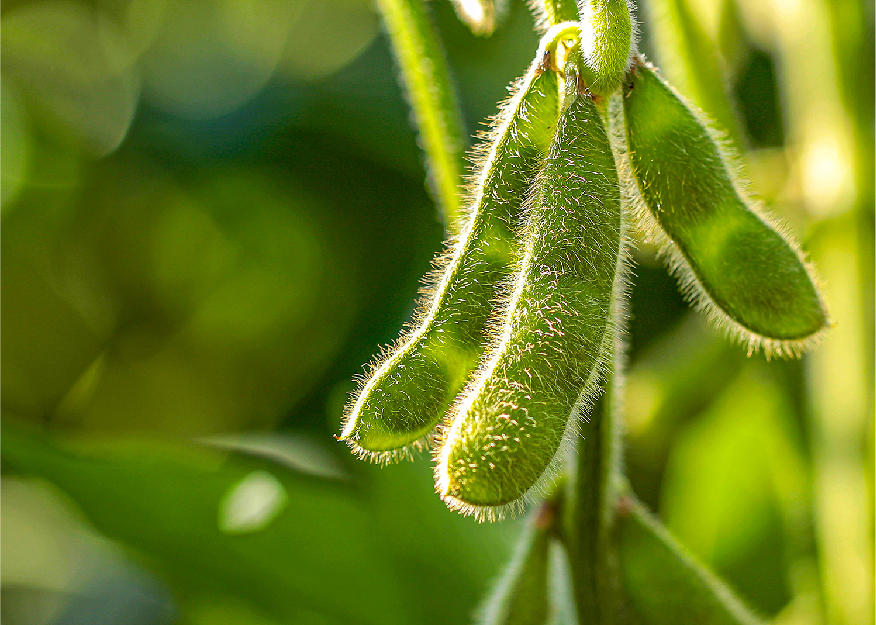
[386, 456]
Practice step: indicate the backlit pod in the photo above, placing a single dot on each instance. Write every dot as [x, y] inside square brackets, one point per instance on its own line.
[747, 274]
[408, 392]
[546, 361]
[608, 43]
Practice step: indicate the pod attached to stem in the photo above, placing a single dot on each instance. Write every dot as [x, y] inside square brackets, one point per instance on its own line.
[732, 261]
[608, 43]
[410, 389]
[543, 371]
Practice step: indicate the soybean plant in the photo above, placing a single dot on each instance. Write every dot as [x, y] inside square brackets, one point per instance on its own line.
[546, 363]
[408, 392]
[521, 331]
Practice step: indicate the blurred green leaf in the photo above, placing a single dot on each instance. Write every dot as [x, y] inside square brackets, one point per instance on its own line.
[735, 488]
[165, 500]
[664, 585]
[77, 67]
[305, 545]
[16, 143]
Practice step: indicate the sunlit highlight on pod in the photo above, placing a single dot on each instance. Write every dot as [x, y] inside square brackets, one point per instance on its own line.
[544, 367]
[399, 405]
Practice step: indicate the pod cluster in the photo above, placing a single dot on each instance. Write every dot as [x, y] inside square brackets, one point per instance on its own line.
[508, 350]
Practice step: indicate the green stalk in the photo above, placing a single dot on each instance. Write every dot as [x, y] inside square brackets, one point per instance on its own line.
[594, 479]
[693, 64]
[432, 97]
[590, 511]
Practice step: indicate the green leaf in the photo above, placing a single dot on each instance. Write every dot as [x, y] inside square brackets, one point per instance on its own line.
[734, 489]
[171, 501]
[381, 551]
[663, 584]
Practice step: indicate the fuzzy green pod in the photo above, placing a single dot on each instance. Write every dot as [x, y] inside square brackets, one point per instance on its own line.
[521, 596]
[543, 371]
[731, 260]
[408, 392]
[607, 43]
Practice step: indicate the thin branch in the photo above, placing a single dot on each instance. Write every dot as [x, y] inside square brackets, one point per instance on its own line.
[432, 98]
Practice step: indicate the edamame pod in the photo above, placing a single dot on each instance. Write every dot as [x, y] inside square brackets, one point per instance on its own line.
[546, 362]
[731, 260]
[607, 43]
[522, 595]
[408, 392]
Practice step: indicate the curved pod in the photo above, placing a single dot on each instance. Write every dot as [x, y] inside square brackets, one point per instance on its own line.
[409, 391]
[744, 272]
[508, 425]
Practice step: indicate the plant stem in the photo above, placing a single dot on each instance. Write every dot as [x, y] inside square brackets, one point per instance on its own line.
[557, 11]
[588, 514]
[432, 97]
[594, 485]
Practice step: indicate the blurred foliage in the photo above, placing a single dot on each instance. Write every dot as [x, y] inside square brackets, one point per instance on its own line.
[214, 212]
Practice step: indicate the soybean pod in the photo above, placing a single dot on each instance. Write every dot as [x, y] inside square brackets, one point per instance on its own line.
[544, 368]
[731, 260]
[522, 595]
[409, 391]
[608, 43]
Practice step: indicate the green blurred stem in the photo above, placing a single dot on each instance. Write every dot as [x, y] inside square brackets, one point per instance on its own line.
[690, 59]
[432, 97]
[664, 584]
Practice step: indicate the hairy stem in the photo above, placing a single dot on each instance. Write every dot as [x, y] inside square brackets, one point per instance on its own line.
[432, 98]
[595, 477]
[592, 490]
[589, 514]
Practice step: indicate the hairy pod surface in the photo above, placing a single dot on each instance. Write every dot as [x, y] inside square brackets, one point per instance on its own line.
[544, 367]
[607, 43]
[522, 595]
[409, 391]
[737, 266]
